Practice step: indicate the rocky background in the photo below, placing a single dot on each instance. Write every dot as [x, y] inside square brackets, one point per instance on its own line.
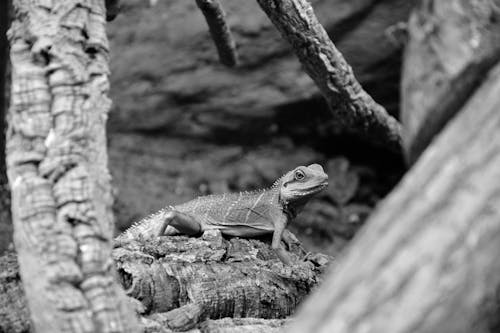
[183, 125]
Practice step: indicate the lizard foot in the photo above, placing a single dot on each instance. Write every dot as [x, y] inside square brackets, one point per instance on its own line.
[291, 241]
[318, 259]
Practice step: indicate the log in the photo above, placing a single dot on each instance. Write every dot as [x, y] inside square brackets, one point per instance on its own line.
[183, 283]
[427, 260]
[57, 167]
[452, 45]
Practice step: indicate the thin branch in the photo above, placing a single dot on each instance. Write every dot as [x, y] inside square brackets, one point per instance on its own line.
[220, 31]
[354, 109]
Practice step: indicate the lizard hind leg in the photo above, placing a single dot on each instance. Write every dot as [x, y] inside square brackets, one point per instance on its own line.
[180, 223]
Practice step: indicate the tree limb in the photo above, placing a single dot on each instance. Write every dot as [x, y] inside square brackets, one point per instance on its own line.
[353, 108]
[220, 31]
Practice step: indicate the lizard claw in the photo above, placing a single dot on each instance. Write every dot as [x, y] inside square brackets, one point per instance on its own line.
[318, 259]
[211, 234]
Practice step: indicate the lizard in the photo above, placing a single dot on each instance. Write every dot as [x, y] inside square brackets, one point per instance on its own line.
[243, 214]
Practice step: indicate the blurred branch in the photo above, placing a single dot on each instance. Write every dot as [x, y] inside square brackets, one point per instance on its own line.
[452, 45]
[219, 30]
[354, 109]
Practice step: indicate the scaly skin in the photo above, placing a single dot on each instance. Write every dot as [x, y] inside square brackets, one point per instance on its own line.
[245, 214]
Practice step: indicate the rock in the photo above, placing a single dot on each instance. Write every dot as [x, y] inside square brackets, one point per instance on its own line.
[167, 79]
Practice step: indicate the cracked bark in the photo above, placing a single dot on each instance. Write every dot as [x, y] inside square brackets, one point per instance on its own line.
[185, 282]
[182, 281]
[452, 45]
[57, 167]
[354, 109]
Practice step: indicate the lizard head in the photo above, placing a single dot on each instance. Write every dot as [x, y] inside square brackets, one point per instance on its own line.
[300, 184]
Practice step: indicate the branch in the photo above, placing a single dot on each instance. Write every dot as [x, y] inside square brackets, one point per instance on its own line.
[353, 108]
[221, 34]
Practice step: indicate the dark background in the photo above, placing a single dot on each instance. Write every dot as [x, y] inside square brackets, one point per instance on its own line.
[183, 125]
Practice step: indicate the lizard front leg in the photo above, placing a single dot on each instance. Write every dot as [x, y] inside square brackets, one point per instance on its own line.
[279, 228]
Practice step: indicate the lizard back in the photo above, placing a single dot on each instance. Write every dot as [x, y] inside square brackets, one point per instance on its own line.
[253, 209]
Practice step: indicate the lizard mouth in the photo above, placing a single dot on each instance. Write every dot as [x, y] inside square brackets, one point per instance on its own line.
[314, 189]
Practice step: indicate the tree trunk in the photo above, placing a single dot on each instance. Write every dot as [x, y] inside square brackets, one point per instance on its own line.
[57, 167]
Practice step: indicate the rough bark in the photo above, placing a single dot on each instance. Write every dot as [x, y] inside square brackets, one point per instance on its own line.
[452, 45]
[180, 282]
[57, 167]
[427, 260]
[219, 30]
[353, 108]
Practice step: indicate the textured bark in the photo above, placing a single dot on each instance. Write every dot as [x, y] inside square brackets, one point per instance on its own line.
[219, 29]
[57, 167]
[353, 108]
[181, 281]
[244, 325]
[427, 260]
[452, 46]
[14, 313]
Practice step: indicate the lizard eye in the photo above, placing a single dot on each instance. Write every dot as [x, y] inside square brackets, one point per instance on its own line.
[299, 175]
